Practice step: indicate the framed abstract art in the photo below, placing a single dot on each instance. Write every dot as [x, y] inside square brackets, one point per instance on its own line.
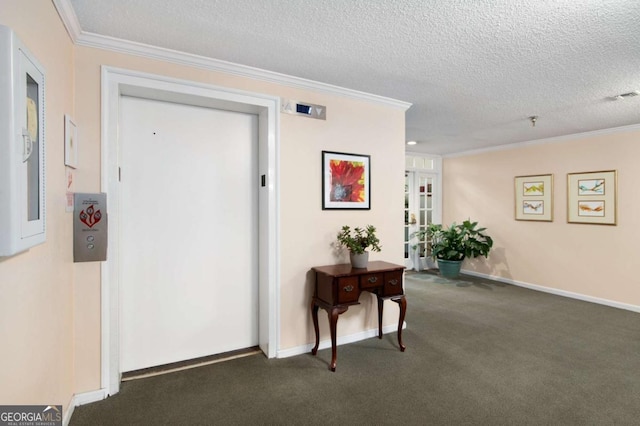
[591, 197]
[346, 181]
[534, 197]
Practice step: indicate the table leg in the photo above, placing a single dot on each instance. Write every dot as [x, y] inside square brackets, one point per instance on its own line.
[333, 326]
[314, 316]
[402, 302]
[380, 307]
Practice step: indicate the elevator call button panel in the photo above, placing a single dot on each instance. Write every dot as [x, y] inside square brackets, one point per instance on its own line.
[90, 227]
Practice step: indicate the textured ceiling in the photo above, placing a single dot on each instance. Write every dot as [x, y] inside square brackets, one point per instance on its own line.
[474, 70]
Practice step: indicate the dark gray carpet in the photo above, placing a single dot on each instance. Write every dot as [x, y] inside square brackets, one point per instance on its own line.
[478, 353]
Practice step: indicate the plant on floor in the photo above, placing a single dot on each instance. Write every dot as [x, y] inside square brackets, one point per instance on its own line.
[455, 243]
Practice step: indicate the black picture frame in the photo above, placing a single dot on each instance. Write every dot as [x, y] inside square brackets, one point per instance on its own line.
[346, 181]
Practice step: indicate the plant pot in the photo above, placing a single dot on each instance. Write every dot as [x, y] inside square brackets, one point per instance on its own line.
[417, 263]
[449, 268]
[359, 260]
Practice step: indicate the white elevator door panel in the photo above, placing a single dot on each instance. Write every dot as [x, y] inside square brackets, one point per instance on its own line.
[189, 284]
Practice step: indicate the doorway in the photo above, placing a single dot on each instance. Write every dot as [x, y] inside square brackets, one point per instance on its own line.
[422, 206]
[117, 83]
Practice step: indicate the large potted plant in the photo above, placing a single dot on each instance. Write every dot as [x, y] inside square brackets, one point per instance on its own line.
[450, 246]
[357, 241]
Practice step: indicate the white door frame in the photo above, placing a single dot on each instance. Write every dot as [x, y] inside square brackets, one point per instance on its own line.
[117, 82]
[430, 166]
[436, 212]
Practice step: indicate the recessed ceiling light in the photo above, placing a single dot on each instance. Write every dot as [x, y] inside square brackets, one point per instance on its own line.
[412, 143]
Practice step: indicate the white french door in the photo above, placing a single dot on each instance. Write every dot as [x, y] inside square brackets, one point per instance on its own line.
[421, 208]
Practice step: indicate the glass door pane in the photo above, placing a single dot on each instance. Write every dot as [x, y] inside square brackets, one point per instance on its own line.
[419, 212]
[32, 149]
[406, 213]
[30, 130]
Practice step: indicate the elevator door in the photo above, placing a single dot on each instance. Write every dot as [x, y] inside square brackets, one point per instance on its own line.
[189, 284]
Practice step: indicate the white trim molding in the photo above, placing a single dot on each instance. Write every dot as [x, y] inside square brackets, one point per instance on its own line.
[82, 399]
[117, 82]
[69, 19]
[557, 292]
[556, 139]
[89, 397]
[87, 39]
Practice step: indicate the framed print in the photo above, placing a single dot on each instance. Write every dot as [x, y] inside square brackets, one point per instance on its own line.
[70, 142]
[346, 181]
[534, 198]
[592, 197]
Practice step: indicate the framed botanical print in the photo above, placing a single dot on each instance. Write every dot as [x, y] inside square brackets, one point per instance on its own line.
[534, 198]
[592, 197]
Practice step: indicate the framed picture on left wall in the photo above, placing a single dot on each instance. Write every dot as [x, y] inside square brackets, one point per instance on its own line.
[346, 181]
[70, 142]
[534, 198]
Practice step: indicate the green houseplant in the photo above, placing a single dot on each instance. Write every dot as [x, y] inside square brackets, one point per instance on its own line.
[357, 241]
[451, 245]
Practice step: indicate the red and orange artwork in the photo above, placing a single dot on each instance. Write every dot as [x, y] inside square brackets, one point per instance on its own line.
[591, 208]
[347, 181]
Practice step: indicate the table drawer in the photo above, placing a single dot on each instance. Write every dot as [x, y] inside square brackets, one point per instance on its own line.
[371, 280]
[392, 283]
[348, 290]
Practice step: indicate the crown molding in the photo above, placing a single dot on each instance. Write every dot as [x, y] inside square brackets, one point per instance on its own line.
[556, 139]
[87, 39]
[69, 18]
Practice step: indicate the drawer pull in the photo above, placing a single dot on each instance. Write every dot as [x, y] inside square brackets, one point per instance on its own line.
[348, 288]
[373, 279]
[393, 282]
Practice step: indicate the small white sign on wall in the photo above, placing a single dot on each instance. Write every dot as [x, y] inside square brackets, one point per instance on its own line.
[69, 191]
[70, 142]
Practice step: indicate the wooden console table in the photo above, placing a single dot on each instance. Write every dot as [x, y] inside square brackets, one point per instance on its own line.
[339, 286]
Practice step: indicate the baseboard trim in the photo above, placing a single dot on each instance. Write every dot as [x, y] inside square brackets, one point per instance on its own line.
[557, 292]
[342, 340]
[82, 399]
[66, 414]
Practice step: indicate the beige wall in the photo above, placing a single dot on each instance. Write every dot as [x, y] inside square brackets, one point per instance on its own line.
[590, 260]
[36, 287]
[306, 230]
[50, 307]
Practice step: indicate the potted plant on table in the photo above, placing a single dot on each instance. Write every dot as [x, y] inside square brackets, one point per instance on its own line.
[357, 241]
[450, 246]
